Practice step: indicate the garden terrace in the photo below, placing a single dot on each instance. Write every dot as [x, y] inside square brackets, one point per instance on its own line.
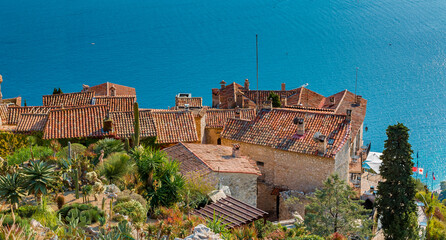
[232, 212]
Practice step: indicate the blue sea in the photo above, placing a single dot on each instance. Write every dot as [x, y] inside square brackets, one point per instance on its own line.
[165, 47]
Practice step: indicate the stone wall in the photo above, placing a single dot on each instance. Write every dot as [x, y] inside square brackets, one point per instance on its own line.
[211, 135]
[342, 160]
[200, 123]
[243, 186]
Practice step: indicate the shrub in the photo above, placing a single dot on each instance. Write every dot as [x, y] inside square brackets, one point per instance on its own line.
[24, 154]
[9, 143]
[115, 167]
[26, 211]
[46, 216]
[133, 209]
[127, 195]
[338, 236]
[60, 200]
[109, 146]
[89, 212]
[77, 149]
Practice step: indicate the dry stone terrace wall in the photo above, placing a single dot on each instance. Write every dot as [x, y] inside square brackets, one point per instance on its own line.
[243, 186]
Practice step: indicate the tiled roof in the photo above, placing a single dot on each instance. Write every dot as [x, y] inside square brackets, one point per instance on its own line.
[86, 121]
[194, 102]
[104, 90]
[358, 111]
[231, 212]
[216, 118]
[68, 99]
[263, 94]
[195, 157]
[123, 124]
[15, 112]
[32, 122]
[174, 126]
[275, 128]
[4, 113]
[116, 104]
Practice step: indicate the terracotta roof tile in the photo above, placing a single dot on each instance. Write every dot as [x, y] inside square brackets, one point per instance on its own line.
[104, 90]
[32, 122]
[4, 113]
[189, 162]
[123, 124]
[116, 104]
[216, 118]
[174, 127]
[275, 128]
[68, 99]
[194, 102]
[218, 158]
[15, 112]
[86, 121]
[358, 111]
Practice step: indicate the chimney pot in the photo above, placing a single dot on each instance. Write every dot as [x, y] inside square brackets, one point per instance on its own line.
[223, 84]
[283, 87]
[300, 122]
[236, 150]
[246, 84]
[349, 115]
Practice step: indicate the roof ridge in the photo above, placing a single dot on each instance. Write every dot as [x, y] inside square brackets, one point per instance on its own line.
[342, 99]
[72, 93]
[80, 107]
[307, 111]
[196, 156]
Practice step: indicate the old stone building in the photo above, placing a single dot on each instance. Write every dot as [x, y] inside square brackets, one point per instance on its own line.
[294, 149]
[223, 163]
[109, 90]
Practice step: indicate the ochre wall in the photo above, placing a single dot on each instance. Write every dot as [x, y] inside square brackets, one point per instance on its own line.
[211, 135]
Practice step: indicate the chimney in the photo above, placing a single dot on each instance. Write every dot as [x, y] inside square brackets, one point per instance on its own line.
[283, 100]
[108, 125]
[223, 84]
[283, 87]
[237, 112]
[300, 122]
[85, 88]
[332, 100]
[236, 150]
[358, 100]
[349, 115]
[246, 84]
[321, 145]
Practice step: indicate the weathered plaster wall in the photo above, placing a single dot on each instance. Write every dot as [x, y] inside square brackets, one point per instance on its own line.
[243, 186]
[212, 135]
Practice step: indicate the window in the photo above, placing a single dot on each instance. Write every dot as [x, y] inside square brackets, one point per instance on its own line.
[219, 141]
[260, 164]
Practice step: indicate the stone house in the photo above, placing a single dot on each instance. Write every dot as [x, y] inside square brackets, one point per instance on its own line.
[294, 149]
[109, 90]
[223, 163]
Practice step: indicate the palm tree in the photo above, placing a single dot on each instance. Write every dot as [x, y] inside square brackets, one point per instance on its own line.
[148, 160]
[115, 166]
[109, 145]
[39, 176]
[12, 190]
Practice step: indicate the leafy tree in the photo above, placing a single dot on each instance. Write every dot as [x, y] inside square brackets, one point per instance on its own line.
[39, 177]
[333, 210]
[10, 142]
[396, 194]
[275, 99]
[57, 91]
[12, 190]
[115, 167]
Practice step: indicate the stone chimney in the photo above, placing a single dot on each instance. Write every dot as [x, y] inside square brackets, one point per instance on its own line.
[246, 84]
[237, 112]
[321, 145]
[300, 122]
[349, 115]
[223, 84]
[107, 125]
[283, 87]
[283, 100]
[236, 150]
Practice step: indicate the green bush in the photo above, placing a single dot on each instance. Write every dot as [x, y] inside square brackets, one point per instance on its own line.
[26, 211]
[9, 143]
[127, 195]
[90, 212]
[24, 154]
[77, 149]
[133, 209]
[46, 216]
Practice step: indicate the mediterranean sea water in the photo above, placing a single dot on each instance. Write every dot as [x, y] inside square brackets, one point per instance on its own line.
[165, 47]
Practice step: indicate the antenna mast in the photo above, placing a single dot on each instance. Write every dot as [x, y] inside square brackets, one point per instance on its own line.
[257, 69]
[356, 82]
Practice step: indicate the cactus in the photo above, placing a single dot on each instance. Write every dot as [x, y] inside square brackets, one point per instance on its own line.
[76, 180]
[103, 203]
[127, 145]
[111, 207]
[60, 200]
[137, 133]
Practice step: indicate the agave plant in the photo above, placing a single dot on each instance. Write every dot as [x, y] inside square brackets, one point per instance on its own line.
[39, 177]
[12, 190]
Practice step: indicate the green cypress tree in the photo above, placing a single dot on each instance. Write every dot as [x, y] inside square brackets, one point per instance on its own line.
[137, 133]
[333, 210]
[275, 99]
[396, 194]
